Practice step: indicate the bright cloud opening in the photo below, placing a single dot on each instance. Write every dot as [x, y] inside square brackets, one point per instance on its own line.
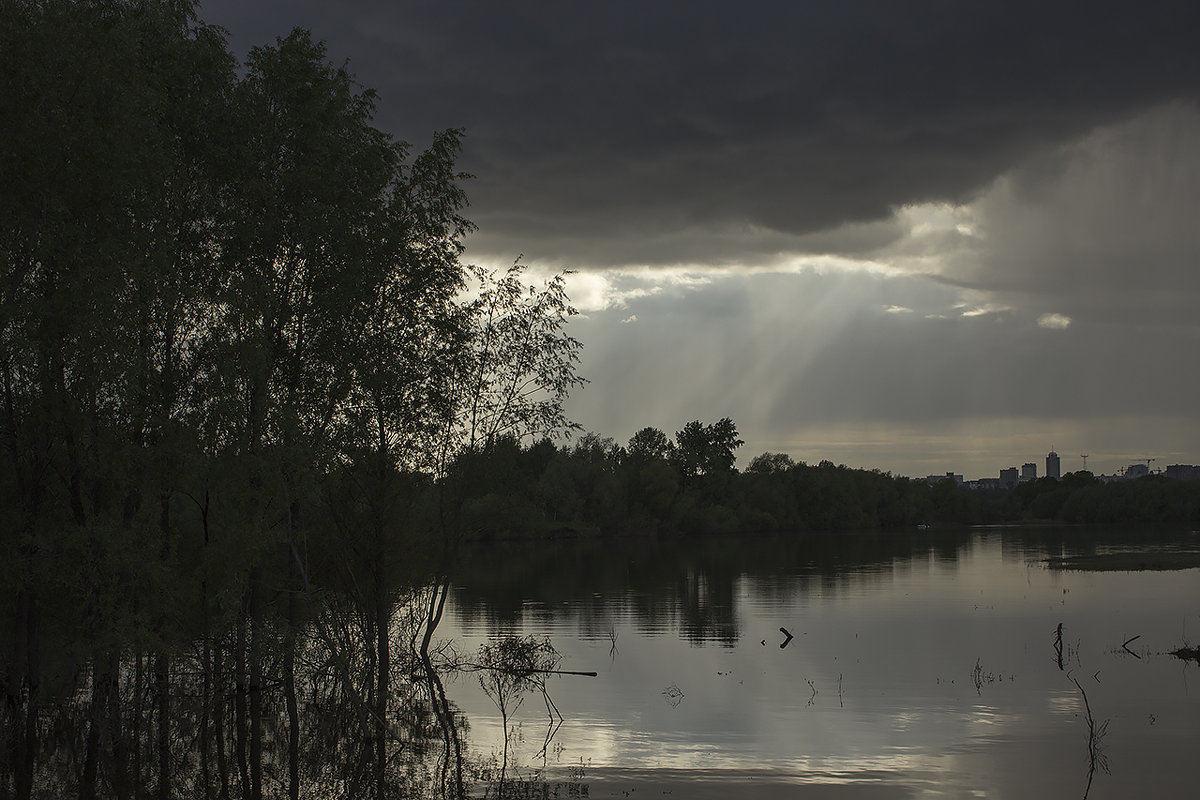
[1054, 321]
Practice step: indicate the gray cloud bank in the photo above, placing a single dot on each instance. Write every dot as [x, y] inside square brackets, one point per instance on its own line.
[599, 129]
[895, 217]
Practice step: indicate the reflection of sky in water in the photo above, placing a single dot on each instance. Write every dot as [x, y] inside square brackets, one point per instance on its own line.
[935, 671]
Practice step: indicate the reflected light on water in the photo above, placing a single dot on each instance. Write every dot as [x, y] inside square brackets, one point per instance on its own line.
[933, 673]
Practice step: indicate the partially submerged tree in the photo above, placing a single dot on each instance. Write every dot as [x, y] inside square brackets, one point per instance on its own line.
[510, 668]
[509, 383]
[232, 315]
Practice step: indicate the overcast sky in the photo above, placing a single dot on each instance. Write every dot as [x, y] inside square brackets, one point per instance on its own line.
[915, 236]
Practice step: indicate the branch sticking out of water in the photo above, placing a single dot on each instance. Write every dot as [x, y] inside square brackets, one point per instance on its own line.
[1096, 733]
[673, 694]
[520, 673]
[510, 667]
[786, 641]
[1125, 646]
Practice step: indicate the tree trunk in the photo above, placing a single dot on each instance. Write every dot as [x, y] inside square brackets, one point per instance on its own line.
[256, 683]
[433, 616]
[162, 683]
[383, 677]
[289, 689]
[19, 699]
[452, 757]
[239, 696]
[163, 664]
[91, 758]
[219, 721]
[205, 708]
[27, 746]
[116, 733]
[27, 749]
[135, 732]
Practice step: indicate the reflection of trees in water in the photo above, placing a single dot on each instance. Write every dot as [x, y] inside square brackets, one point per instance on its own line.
[705, 600]
[690, 584]
[214, 725]
[684, 584]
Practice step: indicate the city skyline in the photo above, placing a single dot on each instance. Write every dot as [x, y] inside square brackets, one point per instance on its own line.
[899, 237]
[1051, 467]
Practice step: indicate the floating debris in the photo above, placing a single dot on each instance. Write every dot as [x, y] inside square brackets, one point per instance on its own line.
[786, 641]
[1187, 654]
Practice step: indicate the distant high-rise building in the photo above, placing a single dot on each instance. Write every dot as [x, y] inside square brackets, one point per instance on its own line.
[1008, 477]
[1053, 467]
[1183, 472]
[1135, 471]
[1028, 472]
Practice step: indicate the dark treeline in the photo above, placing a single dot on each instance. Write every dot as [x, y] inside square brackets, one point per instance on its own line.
[688, 484]
[242, 374]
[1080, 497]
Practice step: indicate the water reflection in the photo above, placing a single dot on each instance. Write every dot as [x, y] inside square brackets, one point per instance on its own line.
[259, 712]
[687, 585]
[875, 665]
[931, 662]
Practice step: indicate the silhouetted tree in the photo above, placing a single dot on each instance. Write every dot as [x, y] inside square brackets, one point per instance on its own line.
[648, 445]
[770, 463]
[706, 449]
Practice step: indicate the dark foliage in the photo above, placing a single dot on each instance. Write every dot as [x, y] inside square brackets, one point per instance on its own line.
[241, 368]
[659, 485]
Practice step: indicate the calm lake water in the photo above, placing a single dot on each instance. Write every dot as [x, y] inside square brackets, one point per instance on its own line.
[919, 667]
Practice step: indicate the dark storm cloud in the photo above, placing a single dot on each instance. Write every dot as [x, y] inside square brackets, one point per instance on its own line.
[593, 122]
[966, 231]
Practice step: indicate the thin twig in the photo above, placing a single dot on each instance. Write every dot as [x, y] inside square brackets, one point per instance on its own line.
[1125, 646]
[521, 672]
